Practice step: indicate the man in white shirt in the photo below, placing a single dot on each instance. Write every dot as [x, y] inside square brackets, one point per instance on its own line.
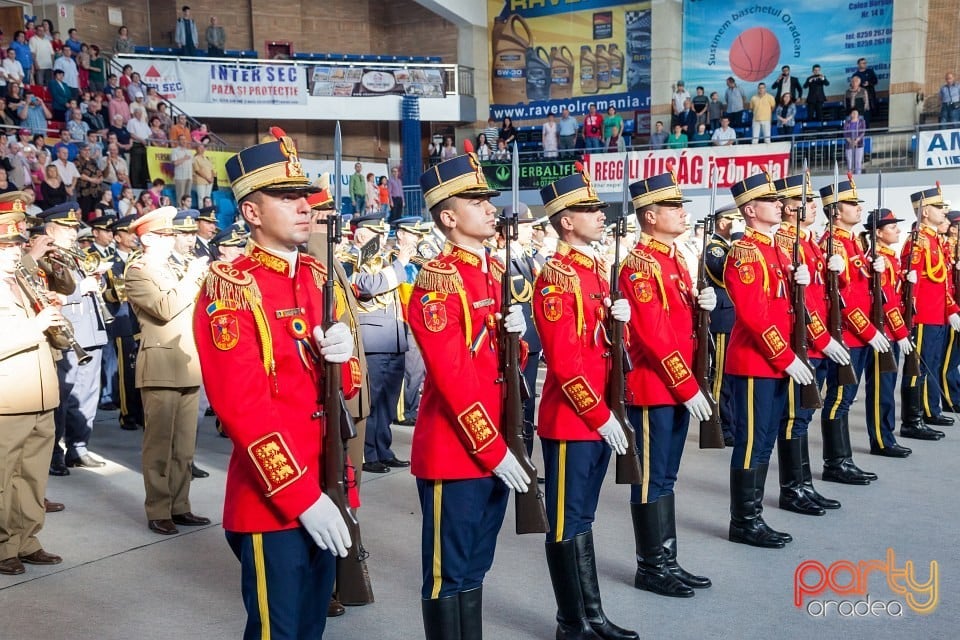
[680, 97]
[724, 135]
[68, 170]
[182, 158]
[12, 69]
[68, 64]
[42, 51]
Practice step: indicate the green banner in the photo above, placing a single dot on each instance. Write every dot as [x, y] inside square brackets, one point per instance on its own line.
[533, 175]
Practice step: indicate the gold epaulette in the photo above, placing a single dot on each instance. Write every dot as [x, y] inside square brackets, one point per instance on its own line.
[784, 241]
[438, 275]
[923, 241]
[317, 268]
[744, 252]
[132, 261]
[232, 283]
[497, 268]
[641, 263]
[560, 274]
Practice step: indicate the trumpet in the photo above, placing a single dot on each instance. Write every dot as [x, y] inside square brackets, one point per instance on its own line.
[89, 263]
[60, 336]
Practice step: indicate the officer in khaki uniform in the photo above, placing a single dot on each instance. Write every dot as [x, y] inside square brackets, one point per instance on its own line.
[26, 407]
[168, 370]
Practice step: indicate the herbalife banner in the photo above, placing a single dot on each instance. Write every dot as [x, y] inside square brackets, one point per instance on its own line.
[190, 81]
[938, 149]
[691, 166]
[533, 175]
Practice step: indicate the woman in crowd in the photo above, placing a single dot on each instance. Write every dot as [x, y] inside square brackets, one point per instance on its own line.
[98, 70]
[373, 197]
[548, 136]
[123, 43]
[52, 188]
[14, 98]
[786, 114]
[157, 135]
[611, 120]
[484, 152]
[145, 203]
[508, 132]
[126, 203]
[449, 149]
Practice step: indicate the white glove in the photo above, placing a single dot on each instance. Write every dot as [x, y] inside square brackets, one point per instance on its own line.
[880, 343]
[879, 264]
[799, 371]
[954, 321]
[836, 264]
[515, 322]
[612, 433]
[337, 345]
[801, 275]
[620, 310]
[699, 407]
[323, 522]
[836, 352]
[906, 346]
[912, 276]
[707, 300]
[512, 474]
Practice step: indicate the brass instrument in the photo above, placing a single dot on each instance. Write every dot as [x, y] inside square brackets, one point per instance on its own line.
[60, 336]
[116, 287]
[427, 249]
[88, 263]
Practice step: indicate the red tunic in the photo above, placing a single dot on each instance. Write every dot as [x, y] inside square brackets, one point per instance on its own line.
[756, 275]
[818, 336]
[893, 305]
[452, 318]
[655, 279]
[569, 314]
[858, 331]
[933, 301]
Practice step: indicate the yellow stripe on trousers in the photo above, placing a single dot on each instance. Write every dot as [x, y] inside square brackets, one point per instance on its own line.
[437, 511]
[720, 359]
[836, 405]
[945, 369]
[561, 489]
[120, 367]
[924, 390]
[876, 400]
[913, 379]
[645, 486]
[260, 568]
[791, 408]
[750, 424]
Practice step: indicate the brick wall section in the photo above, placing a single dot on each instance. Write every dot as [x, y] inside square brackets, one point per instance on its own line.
[943, 48]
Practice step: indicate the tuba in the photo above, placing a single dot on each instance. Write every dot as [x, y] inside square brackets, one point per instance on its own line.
[61, 337]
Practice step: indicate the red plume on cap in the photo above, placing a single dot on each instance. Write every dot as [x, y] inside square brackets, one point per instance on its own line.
[277, 132]
[578, 166]
[468, 146]
[849, 176]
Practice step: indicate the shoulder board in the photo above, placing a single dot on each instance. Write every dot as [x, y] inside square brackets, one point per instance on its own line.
[558, 273]
[641, 262]
[923, 241]
[497, 268]
[317, 268]
[439, 275]
[743, 252]
[231, 282]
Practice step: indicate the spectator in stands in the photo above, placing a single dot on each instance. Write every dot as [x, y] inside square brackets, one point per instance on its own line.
[135, 88]
[5, 185]
[786, 114]
[548, 137]
[433, 153]
[700, 104]
[83, 66]
[12, 70]
[736, 101]
[593, 129]
[502, 154]
[762, 106]
[854, 130]
[492, 133]
[395, 185]
[484, 152]
[76, 127]
[71, 75]
[185, 35]
[181, 128]
[787, 83]
[868, 80]
[33, 114]
[60, 95]
[89, 180]
[200, 134]
[126, 202]
[816, 94]
[949, 100]
[39, 140]
[14, 99]
[687, 119]
[203, 173]
[113, 85]
[507, 133]
[701, 138]
[383, 196]
[858, 98]
[52, 189]
[677, 139]
[126, 73]
[715, 110]
[567, 133]
[118, 107]
[119, 135]
[373, 196]
[42, 52]
[73, 41]
[182, 158]
[66, 169]
[448, 151]
[610, 121]
[145, 203]
[123, 43]
[116, 169]
[152, 101]
[216, 38]
[358, 189]
[55, 42]
[30, 28]
[615, 142]
[22, 52]
[155, 192]
[19, 165]
[158, 136]
[94, 116]
[165, 118]
[97, 73]
[658, 139]
[724, 135]
[5, 119]
[95, 145]
[680, 97]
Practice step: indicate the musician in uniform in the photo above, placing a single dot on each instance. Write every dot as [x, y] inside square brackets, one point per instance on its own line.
[936, 313]
[759, 359]
[859, 334]
[797, 492]
[412, 230]
[262, 353]
[102, 232]
[571, 303]
[206, 232]
[124, 329]
[79, 383]
[230, 242]
[661, 390]
[27, 400]
[721, 318]
[460, 458]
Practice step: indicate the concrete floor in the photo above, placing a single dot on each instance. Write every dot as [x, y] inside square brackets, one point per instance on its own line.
[120, 581]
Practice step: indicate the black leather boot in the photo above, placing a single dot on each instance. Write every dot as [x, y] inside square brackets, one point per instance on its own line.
[590, 588]
[793, 496]
[837, 465]
[572, 623]
[812, 493]
[441, 618]
[668, 527]
[652, 574]
[471, 614]
[849, 450]
[911, 416]
[744, 516]
[759, 489]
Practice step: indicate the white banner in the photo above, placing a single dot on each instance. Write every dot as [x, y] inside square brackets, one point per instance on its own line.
[938, 149]
[161, 74]
[691, 166]
[224, 83]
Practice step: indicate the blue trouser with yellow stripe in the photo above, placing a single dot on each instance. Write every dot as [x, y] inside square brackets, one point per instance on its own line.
[931, 341]
[573, 472]
[759, 404]
[950, 375]
[131, 404]
[286, 581]
[661, 434]
[461, 520]
[836, 404]
[796, 419]
[881, 400]
[721, 385]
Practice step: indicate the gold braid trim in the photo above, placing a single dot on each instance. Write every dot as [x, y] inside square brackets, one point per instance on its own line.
[227, 282]
[439, 276]
[784, 241]
[496, 268]
[319, 274]
[263, 329]
[641, 263]
[560, 274]
[744, 253]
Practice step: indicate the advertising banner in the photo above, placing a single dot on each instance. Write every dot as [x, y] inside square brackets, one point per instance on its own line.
[938, 149]
[224, 83]
[533, 175]
[691, 166]
[752, 40]
[160, 166]
[545, 56]
[369, 81]
[161, 74]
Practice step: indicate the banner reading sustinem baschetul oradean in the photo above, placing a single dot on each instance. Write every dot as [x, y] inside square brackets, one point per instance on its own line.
[547, 55]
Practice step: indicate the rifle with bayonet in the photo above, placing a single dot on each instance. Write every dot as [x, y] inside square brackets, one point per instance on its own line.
[877, 297]
[809, 393]
[845, 372]
[911, 362]
[711, 431]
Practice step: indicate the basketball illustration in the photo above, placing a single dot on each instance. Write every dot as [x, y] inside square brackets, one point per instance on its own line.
[754, 54]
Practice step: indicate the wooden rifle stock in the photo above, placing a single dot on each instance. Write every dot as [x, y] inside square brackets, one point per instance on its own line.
[845, 373]
[809, 393]
[711, 431]
[886, 361]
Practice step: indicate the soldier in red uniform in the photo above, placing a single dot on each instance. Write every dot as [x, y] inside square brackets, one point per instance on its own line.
[936, 312]
[760, 362]
[797, 492]
[571, 301]
[950, 374]
[262, 352]
[460, 457]
[662, 392]
[859, 334]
